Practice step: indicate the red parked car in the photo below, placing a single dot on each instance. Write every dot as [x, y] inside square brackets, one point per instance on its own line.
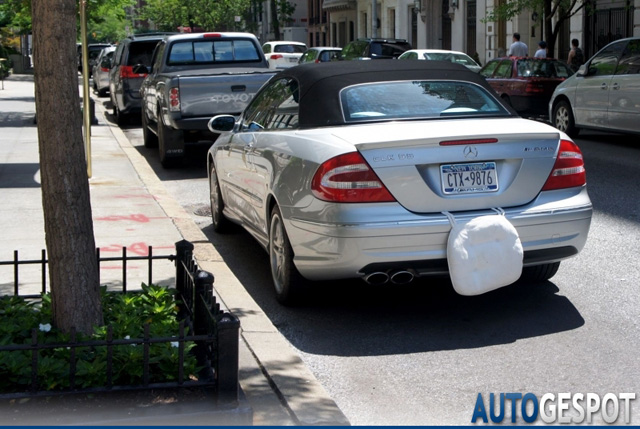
[526, 83]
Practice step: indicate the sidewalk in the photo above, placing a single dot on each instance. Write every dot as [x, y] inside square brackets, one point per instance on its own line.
[132, 209]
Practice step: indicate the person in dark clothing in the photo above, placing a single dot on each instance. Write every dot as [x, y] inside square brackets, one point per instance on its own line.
[576, 57]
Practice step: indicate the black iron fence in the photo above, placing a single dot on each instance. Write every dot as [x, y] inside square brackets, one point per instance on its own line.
[214, 331]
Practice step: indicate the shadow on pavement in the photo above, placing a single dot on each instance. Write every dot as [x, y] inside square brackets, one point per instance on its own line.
[351, 318]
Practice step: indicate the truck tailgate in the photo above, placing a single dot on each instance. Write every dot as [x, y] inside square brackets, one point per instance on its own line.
[209, 95]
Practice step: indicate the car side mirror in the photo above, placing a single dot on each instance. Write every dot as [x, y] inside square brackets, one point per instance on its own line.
[582, 71]
[221, 123]
[140, 69]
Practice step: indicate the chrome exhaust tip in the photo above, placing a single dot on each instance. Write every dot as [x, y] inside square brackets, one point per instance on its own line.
[376, 278]
[401, 277]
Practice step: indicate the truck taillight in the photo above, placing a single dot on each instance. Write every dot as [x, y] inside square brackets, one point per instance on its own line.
[174, 99]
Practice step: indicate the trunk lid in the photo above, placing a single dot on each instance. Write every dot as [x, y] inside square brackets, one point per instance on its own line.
[454, 165]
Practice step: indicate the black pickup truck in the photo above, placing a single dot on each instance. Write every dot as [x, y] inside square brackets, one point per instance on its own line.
[194, 77]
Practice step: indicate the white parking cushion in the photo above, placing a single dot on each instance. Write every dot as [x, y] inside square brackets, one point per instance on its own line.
[483, 254]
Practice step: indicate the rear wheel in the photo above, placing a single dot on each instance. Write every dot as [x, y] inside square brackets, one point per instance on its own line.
[288, 282]
[150, 139]
[563, 119]
[121, 118]
[540, 273]
[220, 222]
[168, 138]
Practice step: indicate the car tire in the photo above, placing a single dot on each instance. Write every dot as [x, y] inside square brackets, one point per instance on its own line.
[220, 223]
[287, 281]
[121, 118]
[167, 137]
[506, 99]
[563, 119]
[149, 138]
[540, 273]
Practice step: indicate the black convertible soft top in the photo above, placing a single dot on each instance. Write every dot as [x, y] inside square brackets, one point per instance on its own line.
[320, 84]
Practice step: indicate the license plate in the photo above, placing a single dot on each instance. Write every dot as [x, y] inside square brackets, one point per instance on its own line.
[293, 60]
[469, 178]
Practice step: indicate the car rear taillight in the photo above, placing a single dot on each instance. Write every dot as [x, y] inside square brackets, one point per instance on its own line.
[568, 171]
[276, 56]
[126, 72]
[104, 69]
[174, 99]
[348, 178]
[534, 88]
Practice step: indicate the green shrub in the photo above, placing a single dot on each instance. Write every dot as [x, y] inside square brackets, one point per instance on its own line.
[125, 313]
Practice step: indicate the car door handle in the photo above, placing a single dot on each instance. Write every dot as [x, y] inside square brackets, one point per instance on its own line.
[603, 86]
[615, 86]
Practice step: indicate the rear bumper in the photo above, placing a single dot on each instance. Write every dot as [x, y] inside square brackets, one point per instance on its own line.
[552, 228]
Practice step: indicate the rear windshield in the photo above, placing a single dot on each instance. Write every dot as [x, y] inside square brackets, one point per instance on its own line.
[141, 52]
[213, 51]
[447, 56]
[389, 49]
[417, 99]
[290, 49]
[530, 67]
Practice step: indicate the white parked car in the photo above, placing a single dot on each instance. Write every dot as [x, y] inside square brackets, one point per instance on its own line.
[441, 55]
[282, 54]
[388, 170]
[604, 94]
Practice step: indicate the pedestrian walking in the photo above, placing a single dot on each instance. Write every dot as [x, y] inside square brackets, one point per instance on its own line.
[542, 50]
[518, 48]
[576, 57]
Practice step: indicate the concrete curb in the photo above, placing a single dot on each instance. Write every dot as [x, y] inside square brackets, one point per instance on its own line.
[299, 391]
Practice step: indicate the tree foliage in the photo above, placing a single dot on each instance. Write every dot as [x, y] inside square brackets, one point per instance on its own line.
[106, 19]
[553, 13]
[197, 15]
[281, 13]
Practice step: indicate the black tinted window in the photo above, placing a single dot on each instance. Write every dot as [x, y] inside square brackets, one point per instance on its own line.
[605, 61]
[630, 61]
[141, 53]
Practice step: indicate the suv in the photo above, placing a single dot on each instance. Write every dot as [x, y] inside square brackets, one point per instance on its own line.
[371, 49]
[124, 84]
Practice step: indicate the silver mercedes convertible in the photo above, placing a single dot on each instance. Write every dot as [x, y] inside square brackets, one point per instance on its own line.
[364, 169]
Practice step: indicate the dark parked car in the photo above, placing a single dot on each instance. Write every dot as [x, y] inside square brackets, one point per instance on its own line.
[372, 49]
[526, 83]
[124, 84]
[94, 50]
[320, 54]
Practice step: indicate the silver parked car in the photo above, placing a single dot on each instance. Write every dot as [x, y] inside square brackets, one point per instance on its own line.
[603, 94]
[101, 69]
[361, 169]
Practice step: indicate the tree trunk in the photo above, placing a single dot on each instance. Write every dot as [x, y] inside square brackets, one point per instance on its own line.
[73, 268]
[275, 23]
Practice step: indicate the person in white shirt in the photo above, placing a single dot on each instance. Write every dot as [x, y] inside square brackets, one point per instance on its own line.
[542, 50]
[517, 48]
